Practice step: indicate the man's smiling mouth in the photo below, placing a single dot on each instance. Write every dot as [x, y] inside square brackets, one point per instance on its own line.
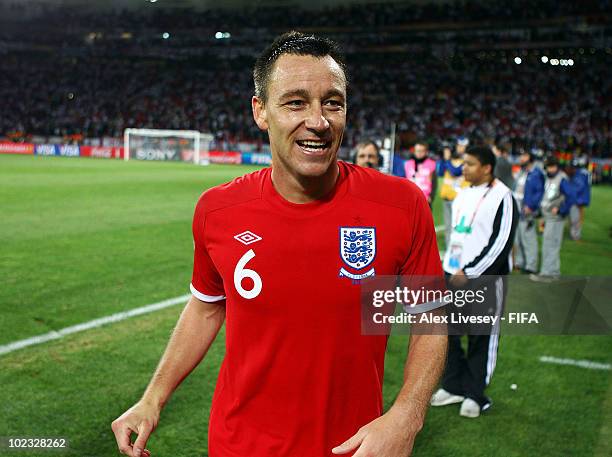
[313, 146]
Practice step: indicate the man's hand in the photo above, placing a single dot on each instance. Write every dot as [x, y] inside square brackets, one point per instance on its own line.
[388, 436]
[194, 333]
[141, 419]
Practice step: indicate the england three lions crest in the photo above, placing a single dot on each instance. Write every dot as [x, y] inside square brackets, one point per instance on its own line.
[358, 250]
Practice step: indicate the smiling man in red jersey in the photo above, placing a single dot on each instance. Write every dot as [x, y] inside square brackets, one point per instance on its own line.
[279, 256]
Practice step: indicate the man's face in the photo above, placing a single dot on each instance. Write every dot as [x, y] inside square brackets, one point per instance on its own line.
[474, 171]
[524, 159]
[420, 151]
[305, 114]
[367, 156]
[461, 148]
[552, 170]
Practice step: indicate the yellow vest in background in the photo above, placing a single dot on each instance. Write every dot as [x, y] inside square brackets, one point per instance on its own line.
[452, 184]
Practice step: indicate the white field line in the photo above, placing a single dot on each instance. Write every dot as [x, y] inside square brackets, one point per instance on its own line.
[548, 359]
[57, 334]
[117, 317]
[577, 363]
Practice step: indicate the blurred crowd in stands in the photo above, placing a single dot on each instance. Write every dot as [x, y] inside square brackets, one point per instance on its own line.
[334, 15]
[74, 84]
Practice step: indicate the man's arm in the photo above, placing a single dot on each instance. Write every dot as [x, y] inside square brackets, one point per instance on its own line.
[193, 335]
[424, 366]
[393, 434]
[570, 197]
[534, 191]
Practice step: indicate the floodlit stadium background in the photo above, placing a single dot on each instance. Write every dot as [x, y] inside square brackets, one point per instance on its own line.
[85, 235]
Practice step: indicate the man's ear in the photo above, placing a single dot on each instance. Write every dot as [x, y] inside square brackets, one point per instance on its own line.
[259, 112]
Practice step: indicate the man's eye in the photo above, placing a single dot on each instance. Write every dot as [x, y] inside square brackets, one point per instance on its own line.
[295, 103]
[334, 103]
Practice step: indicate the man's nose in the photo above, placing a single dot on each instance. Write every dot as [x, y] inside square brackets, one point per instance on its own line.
[315, 119]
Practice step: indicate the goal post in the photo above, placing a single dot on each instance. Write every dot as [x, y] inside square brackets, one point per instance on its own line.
[173, 145]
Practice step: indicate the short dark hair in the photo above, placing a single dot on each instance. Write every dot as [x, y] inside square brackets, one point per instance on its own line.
[484, 154]
[295, 43]
[551, 161]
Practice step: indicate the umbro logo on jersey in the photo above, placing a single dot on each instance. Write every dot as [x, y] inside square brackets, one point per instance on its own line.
[247, 237]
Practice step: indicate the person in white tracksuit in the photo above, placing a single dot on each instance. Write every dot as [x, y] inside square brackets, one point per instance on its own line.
[485, 216]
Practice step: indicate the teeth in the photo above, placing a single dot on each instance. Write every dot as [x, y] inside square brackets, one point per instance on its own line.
[313, 144]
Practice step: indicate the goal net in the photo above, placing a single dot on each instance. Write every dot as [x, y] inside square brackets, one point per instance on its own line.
[176, 145]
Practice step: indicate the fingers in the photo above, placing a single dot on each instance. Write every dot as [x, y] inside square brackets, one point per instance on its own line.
[352, 443]
[122, 436]
[362, 452]
[145, 453]
[144, 430]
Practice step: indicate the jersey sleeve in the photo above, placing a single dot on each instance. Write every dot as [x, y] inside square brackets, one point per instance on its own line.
[206, 283]
[422, 269]
[493, 259]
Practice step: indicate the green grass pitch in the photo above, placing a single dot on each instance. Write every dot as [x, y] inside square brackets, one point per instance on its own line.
[85, 238]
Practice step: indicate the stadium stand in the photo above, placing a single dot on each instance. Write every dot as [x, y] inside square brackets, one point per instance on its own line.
[104, 72]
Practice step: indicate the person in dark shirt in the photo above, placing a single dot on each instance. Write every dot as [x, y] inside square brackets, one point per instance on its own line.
[503, 167]
[581, 182]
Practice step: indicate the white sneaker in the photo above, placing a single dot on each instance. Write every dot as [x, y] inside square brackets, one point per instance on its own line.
[469, 408]
[443, 398]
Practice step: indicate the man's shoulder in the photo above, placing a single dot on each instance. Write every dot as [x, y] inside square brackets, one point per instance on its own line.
[374, 186]
[500, 186]
[495, 194]
[536, 171]
[239, 190]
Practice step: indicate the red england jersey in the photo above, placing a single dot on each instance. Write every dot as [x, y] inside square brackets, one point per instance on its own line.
[298, 376]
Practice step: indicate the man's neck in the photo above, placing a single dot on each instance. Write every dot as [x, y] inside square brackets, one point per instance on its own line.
[486, 180]
[300, 189]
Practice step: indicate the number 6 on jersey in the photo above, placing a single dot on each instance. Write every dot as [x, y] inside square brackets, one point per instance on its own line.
[240, 273]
